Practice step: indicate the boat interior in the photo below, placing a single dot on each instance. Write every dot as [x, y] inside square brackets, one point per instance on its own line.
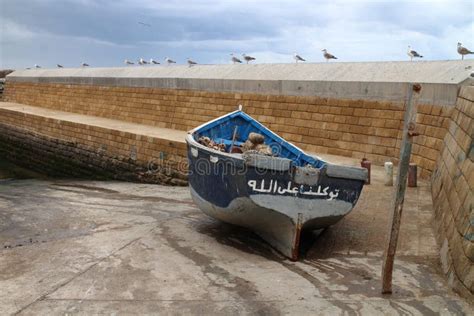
[233, 130]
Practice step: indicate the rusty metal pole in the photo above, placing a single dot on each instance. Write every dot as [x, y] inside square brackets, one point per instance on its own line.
[365, 163]
[400, 187]
[412, 175]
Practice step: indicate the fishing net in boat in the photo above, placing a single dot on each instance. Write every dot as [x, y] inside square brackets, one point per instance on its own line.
[206, 141]
[255, 144]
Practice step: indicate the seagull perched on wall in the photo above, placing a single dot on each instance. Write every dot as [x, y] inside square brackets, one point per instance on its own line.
[235, 59]
[128, 62]
[463, 51]
[328, 55]
[298, 58]
[84, 65]
[169, 61]
[412, 53]
[154, 62]
[142, 61]
[59, 66]
[191, 62]
[37, 66]
[248, 58]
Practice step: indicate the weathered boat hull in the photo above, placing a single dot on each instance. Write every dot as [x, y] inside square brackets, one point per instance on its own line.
[269, 195]
[278, 229]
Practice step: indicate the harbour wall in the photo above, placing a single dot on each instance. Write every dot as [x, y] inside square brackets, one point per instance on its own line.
[68, 145]
[355, 128]
[64, 144]
[453, 196]
[360, 119]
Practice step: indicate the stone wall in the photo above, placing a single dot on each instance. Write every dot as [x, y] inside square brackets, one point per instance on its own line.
[349, 127]
[453, 196]
[66, 148]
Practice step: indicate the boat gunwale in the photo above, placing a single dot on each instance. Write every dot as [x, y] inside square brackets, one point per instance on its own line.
[330, 167]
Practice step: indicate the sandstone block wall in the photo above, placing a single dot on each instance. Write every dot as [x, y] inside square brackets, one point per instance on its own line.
[68, 148]
[453, 196]
[353, 128]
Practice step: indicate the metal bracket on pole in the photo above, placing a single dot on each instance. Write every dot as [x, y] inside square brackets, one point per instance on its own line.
[409, 131]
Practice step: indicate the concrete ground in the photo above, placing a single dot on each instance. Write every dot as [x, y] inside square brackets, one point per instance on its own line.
[86, 247]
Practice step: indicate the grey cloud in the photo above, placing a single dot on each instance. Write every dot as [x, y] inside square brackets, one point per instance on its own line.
[104, 32]
[119, 24]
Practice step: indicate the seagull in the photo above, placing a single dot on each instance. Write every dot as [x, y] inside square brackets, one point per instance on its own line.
[37, 66]
[154, 62]
[298, 58]
[84, 65]
[248, 58]
[412, 53]
[191, 62]
[144, 24]
[235, 59]
[128, 62]
[328, 55]
[59, 66]
[463, 51]
[142, 61]
[169, 61]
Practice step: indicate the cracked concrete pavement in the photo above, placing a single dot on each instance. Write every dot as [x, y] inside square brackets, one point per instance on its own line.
[88, 247]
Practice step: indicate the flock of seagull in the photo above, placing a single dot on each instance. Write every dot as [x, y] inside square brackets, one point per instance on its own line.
[463, 51]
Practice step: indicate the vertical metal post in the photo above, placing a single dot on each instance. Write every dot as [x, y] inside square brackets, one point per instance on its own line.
[400, 186]
[412, 175]
[365, 163]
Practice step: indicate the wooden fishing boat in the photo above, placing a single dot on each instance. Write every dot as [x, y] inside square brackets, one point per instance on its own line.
[278, 195]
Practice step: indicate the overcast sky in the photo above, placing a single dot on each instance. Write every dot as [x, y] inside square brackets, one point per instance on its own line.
[105, 32]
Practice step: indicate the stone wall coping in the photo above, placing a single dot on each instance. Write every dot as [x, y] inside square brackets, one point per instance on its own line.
[385, 81]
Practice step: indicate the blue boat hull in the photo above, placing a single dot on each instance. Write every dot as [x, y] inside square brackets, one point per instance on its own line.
[271, 196]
